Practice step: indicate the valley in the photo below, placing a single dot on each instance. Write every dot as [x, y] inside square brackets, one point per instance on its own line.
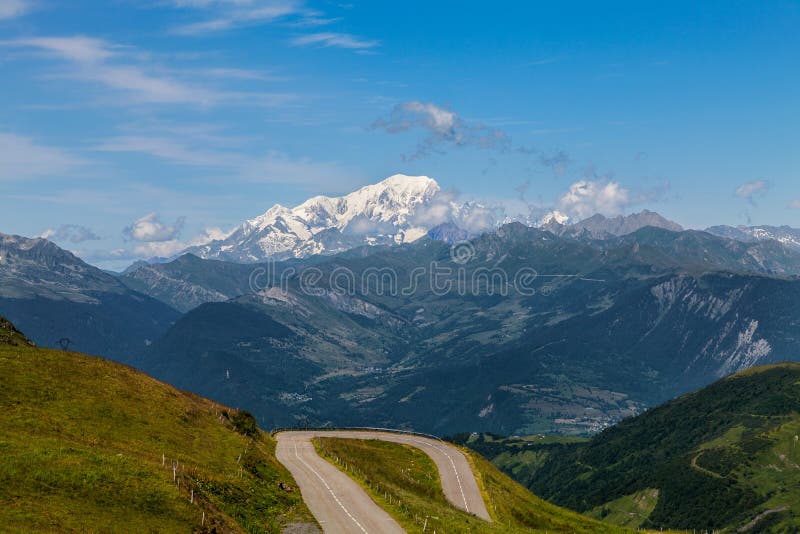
[92, 444]
[577, 354]
[723, 457]
[528, 332]
[342, 267]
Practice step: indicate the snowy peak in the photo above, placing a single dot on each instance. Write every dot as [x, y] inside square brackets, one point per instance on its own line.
[391, 200]
[375, 214]
[785, 235]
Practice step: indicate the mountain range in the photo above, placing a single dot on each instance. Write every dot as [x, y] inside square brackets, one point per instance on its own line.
[389, 212]
[785, 235]
[400, 209]
[600, 227]
[612, 326]
[61, 301]
[563, 328]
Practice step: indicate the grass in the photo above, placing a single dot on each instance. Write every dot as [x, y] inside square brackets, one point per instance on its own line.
[774, 474]
[516, 456]
[519, 510]
[629, 511]
[405, 482]
[9, 335]
[87, 445]
[724, 457]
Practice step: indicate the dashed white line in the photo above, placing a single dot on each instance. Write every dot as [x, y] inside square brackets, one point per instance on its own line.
[346, 511]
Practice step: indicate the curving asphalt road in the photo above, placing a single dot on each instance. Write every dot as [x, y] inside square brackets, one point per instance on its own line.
[341, 506]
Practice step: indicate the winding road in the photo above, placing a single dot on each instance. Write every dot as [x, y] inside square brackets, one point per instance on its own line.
[341, 506]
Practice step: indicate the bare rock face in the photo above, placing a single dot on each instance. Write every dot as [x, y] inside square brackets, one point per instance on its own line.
[9, 335]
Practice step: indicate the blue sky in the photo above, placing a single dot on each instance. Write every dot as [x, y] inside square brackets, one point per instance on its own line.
[193, 115]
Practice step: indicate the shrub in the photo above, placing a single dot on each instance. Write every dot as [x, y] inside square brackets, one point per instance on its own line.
[244, 423]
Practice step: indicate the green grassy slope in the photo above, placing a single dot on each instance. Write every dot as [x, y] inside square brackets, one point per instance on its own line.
[9, 335]
[81, 445]
[721, 457]
[404, 481]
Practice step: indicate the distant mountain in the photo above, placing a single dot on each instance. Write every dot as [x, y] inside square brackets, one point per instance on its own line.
[601, 227]
[725, 458]
[449, 233]
[612, 326]
[700, 251]
[785, 235]
[383, 213]
[188, 281]
[138, 264]
[52, 295]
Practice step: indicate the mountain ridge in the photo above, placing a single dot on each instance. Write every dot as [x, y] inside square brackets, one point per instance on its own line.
[59, 300]
[377, 213]
[599, 226]
[784, 234]
[604, 328]
[722, 458]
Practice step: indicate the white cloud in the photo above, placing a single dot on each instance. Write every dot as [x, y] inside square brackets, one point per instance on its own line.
[171, 247]
[97, 60]
[193, 146]
[22, 159]
[150, 229]
[750, 190]
[413, 114]
[225, 15]
[160, 249]
[171, 149]
[79, 48]
[74, 233]
[118, 68]
[794, 204]
[152, 89]
[118, 259]
[165, 249]
[447, 207]
[338, 40]
[444, 128]
[585, 198]
[10, 9]
[231, 14]
[209, 234]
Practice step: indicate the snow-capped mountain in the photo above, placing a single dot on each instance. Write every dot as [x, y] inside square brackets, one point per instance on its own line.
[400, 209]
[783, 234]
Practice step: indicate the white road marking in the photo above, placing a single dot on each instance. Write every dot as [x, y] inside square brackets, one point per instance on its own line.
[455, 470]
[329, 490]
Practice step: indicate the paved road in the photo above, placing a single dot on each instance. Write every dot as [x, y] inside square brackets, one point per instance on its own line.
[340, 505]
